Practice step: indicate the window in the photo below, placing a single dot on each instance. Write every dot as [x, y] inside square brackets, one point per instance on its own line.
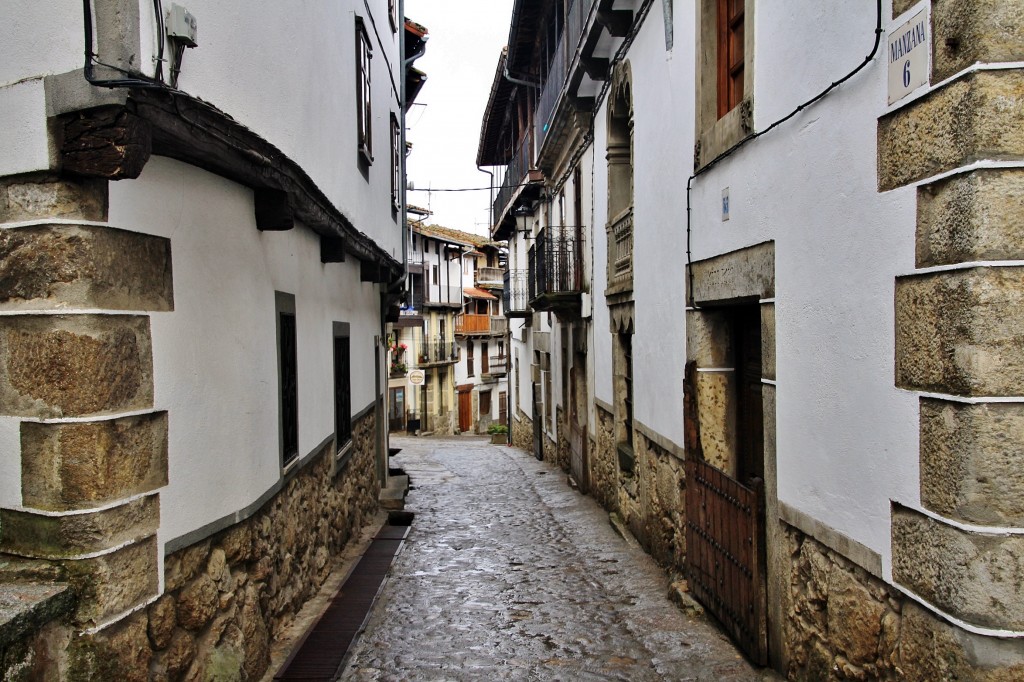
[485, 403]
[725, 106]
[730, 55]
[288, 377]
[485, 366]
[364, 53]
[470, 360]
[342, 386]
[437, 279]
[396, 163]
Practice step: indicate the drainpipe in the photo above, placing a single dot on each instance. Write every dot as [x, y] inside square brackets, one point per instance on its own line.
[490, 205]
[519, 81]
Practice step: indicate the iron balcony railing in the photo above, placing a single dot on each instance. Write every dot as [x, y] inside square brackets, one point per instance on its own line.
[516, 295]
[515, 173]
[620, 252]
[498, 365]
[438, 352]
[487, 276]
[555, 262]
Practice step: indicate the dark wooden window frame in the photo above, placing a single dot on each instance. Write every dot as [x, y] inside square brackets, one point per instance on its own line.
[470, 360]
[730, 22]
[342, 349]
[287, 378]
[485, 403]
[364, 92]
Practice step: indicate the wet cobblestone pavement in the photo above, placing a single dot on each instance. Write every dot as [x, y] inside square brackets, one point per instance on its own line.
[509, 574]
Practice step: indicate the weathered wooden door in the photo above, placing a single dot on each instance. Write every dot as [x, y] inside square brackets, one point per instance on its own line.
[465, 408]
[725, 523]
[724, 549]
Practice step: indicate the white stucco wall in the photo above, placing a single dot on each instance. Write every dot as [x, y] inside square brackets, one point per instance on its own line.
[24, 144]
[287, 73]
[215, 355]
[847, 438]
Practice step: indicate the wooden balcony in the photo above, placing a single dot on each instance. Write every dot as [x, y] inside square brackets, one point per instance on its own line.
[469, 324]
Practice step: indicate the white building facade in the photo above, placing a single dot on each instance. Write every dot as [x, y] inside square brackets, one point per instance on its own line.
[203, 244]
[730, 288]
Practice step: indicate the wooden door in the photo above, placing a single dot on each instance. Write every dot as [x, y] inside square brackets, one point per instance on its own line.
[465, 409]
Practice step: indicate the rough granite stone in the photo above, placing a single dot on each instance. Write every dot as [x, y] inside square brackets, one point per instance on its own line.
[971, 217]
[746, 273]
[74, 365]
[197, 603]
[86, 464]
[975, 577]
[39, 198]
[980, 116]
[977, 31]
[110, 584]
[961, 332]
[44, 267]
[931, 649]
[59, 537]
[971, 461]
[163, 617]
[901, 6]
[119, 652]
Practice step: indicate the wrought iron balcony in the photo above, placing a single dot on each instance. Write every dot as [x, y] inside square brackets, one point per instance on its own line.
[556, 270]
[438, 353]
[515, 295]
[498, 365]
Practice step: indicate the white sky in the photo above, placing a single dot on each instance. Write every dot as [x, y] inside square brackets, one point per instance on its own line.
[466, 37]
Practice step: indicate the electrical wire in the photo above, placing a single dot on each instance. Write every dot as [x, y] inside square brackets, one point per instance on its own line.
[753, 136]
[461, 189]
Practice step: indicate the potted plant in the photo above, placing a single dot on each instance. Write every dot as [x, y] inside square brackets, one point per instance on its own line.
[499, 433]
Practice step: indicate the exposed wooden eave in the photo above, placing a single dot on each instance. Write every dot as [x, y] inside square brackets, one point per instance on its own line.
[190, 130]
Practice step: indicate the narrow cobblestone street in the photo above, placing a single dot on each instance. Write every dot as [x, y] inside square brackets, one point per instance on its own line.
[508, 573]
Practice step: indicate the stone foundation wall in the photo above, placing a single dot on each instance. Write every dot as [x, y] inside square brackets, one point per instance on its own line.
[521, 433]
[604, 463]
[564, 449]
[659, 519]
[229, 596]
[845, 624]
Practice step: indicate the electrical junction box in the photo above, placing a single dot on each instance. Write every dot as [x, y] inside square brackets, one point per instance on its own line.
[182, 25]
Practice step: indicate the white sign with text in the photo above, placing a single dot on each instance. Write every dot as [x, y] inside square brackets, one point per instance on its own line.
[909, 52]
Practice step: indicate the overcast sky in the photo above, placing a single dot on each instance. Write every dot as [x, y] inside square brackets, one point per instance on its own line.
[466, 37]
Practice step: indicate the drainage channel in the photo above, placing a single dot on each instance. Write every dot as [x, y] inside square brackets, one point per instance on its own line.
[319, 656]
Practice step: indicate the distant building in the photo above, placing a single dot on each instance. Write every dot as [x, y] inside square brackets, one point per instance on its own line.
[203, 244]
